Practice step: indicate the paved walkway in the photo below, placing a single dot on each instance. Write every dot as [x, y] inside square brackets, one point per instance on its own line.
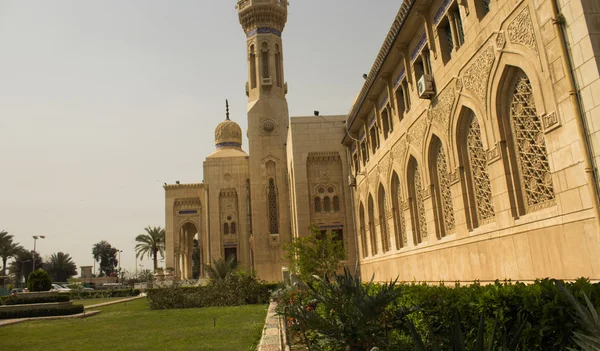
[85, 314]
[272, 338]
[112, 302]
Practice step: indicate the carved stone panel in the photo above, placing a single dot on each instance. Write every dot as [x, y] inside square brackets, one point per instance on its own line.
[416, 133]
[520, 31]
[477, 75]
[442, 106]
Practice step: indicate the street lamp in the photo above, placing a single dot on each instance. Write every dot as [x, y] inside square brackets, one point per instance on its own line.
[35, 237]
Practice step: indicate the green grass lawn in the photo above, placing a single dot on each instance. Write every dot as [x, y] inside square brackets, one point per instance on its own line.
[133, 326]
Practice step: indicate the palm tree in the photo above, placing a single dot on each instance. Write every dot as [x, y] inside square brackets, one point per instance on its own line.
[60, 267]
[8, 249]
[221, 269]
[151, 244]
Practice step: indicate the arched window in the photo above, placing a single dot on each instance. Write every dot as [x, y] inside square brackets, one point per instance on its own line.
[372, 233]
[417, 206]
[252, 67]
[443, 195]
[476, 172]
[336, 203]
[233, 228]
[273, 211]
[318, 204]
[399, 223]
[278, 65]
[327, 204]
[383, 226]
[363, 232]
[529, 146]
[265, 60]
[226, 228]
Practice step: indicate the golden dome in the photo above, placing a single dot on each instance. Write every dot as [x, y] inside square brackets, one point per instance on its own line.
[228, 133]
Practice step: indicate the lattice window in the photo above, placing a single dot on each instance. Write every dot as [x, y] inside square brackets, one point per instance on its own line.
[336, 203]
[363, 232]
[420, 204]
[233, 228]
[226, 228]
[399, 222]
[444, 192]
[318, 208]
[252, 67]
[530, 144]
[327, 204]
[372, 233]
[479, 173]
[273, 211]
[383, 224]
[265, 61]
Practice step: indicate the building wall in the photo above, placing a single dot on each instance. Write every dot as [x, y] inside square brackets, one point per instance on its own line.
[316, 160]
[523, 238]
[227, 196]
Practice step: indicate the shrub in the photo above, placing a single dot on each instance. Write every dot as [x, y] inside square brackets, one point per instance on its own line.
[234, 291]
[42, 312]
[39, 281]
[100, 294]
[16, 300]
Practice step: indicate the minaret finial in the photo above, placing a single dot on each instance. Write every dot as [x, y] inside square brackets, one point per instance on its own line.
[227, 109]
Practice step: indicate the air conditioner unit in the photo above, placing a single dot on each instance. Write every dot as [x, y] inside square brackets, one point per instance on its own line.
[267, 81]
[425, 86]
[351, 180]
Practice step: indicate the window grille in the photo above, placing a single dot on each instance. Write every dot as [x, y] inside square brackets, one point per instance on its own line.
[420, 204]
[233, 228]
[444, 192]
[479, 173]
[530, 145]
[383, 228]
[336, 204]
[226, 228]
[273, 211]
[327, 204]
[318, 208]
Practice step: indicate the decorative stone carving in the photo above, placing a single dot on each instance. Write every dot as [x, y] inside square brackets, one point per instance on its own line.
[479, 176]
[399, 150]
[458, 84]
[500, 41]
[477, 75]
[520, 31]
[551, 121]
[493, 153]
[441, 107]
[384, 166]
[227, 177]
[324, 174]
[416, 133]
[268, 126]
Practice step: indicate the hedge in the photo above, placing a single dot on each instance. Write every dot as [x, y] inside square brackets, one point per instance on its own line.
[42, 312]
[16, 300]
[98, 294]
[389, 316]
[233, 291]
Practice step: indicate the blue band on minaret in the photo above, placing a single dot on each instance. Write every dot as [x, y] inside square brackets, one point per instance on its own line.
[264, 30]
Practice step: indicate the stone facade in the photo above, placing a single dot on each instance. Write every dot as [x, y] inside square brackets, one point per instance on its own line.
[473, 158]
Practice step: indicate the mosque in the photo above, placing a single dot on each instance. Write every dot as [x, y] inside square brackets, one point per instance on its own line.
[470, 152]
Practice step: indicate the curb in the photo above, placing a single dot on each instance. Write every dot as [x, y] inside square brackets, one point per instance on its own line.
[7, 322]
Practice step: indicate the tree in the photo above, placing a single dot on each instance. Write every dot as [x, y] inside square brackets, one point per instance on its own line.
[8, 249]
[21, 265]
[196, 260]
[151, 244]
[39, 281]
[221, 269]
[60, 267]
[106, 255]
[318, 254]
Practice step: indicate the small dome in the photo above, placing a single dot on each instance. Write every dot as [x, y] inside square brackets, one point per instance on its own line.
[228, 133]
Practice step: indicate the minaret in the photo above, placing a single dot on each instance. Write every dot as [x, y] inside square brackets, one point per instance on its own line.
[268, 119]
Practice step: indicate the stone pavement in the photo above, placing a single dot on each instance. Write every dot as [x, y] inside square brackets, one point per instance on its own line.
[112, 302]
[272, 333]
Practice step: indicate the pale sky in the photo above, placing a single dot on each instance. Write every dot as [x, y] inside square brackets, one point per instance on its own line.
[103, 101]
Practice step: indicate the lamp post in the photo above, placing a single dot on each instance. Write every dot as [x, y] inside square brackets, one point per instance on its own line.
[120, 278]
[35, 237]
[23, 271]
